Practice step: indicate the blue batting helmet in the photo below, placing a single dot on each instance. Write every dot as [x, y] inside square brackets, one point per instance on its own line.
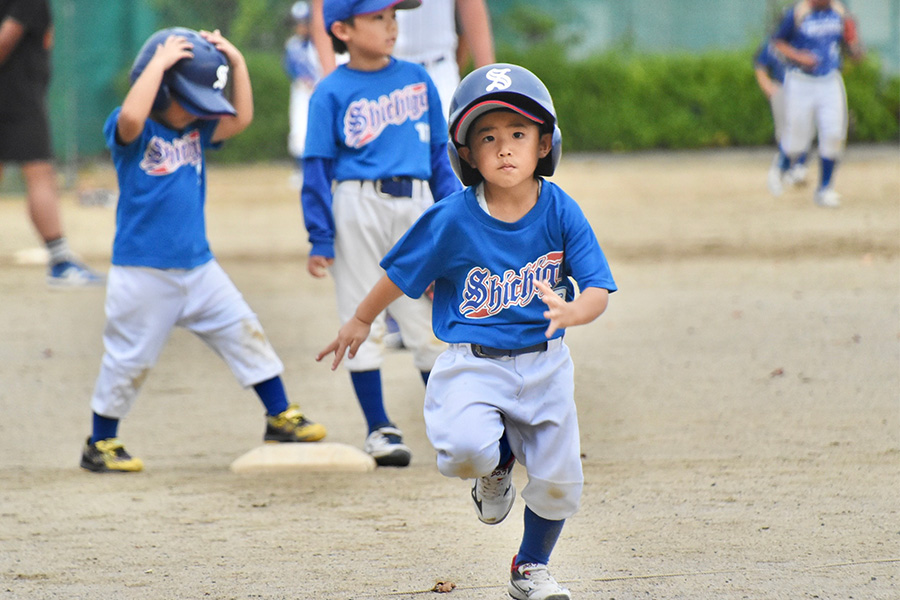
[197, 83]
[494, 87]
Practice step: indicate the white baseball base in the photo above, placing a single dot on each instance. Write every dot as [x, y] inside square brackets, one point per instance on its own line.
[309, 457]
[31, 256]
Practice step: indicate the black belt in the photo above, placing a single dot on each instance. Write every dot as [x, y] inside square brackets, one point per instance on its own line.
[398, 187]
[488, 352]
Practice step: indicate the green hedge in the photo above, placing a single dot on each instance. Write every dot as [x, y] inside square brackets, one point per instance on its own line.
[266, 138]
[638, 102]
[620, 102]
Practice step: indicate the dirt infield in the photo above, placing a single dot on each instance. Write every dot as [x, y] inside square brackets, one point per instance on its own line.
[739, 405]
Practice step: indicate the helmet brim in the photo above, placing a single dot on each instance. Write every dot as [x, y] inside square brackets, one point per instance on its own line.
[200, 101]
[471, 115]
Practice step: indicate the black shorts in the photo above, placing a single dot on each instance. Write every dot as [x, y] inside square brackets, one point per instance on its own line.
[25, 134]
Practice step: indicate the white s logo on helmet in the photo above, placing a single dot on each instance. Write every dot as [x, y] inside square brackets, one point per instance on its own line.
[499, 79]
[221, 77]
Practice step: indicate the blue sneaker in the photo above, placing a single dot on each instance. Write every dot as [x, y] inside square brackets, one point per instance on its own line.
[71, 273]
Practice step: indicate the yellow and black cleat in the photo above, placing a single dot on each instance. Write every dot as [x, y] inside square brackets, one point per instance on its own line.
[292, 426]
[109, 456]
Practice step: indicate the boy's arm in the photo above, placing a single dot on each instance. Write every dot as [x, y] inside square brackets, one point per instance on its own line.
[356, 330]
[476, 23]
[589, 305]
[766, 83]
[321, 39]
[242, 91]
[139, 101]
[316, 200]
[11, 32]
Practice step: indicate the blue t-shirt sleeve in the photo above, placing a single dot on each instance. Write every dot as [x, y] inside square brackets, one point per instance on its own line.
[414, 262]
[759, 57]
[585, 260]
[785, 29]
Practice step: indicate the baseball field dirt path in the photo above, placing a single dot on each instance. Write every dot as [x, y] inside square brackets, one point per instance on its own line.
[739, 406]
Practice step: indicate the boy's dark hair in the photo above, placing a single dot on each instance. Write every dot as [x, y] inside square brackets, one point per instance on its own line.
[339, 46]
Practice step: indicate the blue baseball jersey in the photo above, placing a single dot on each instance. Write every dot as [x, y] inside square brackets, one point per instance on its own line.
[817, 31]
[376, 124]
[770, 59]
[484, 269]
[160, 221]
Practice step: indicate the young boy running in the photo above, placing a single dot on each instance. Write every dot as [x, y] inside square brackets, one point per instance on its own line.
[503, 391]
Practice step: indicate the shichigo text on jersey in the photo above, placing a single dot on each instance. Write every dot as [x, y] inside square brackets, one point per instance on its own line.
[486, 294]
[365, 119]
[163, 157]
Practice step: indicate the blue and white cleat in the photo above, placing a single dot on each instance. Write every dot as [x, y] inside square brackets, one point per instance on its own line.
[71, 273]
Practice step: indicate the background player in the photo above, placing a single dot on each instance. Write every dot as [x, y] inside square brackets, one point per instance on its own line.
[163, 273]
[26, 37]
[373, 131]
[428, 36]
[501, 391]
[769, 68]
[810, 37]
[301, 63]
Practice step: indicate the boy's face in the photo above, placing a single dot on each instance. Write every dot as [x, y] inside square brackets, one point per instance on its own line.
[176, 115]
[505, 147]
[371, 36]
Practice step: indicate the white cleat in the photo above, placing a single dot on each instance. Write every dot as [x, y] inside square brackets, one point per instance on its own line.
[827, 198]
[493, 495]
[532, 581]
[776, 178]
[797, 175]
[386, 446]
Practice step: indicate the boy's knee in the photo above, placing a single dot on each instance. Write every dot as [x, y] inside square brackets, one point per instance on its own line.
[468, 461]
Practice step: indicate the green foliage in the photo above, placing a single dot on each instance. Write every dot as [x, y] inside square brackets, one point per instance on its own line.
[266, 137]
[622, 101]
[248, 24]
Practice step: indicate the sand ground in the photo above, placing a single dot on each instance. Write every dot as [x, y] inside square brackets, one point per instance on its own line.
[739, 406]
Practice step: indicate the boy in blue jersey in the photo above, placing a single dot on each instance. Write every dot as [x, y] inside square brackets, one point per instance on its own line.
[811, 36]
[163, 273]
[499, 252]
[375, 158]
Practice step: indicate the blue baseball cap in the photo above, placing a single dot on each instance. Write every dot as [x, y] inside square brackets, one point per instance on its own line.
[341, 10]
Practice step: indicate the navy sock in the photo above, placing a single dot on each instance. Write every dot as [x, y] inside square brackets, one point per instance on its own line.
[367, 385]
[425, 375]
[273, 396]
[505, 450]
[539, 539]
[827, 172]
[784, 163]
[801, 160]
[104, 428]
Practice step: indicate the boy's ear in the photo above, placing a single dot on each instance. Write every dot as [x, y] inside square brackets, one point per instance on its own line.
[545, 145]
[339, 29]
[466, 155]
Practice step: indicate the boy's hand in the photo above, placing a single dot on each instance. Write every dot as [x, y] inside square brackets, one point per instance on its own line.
[589, 305]
[807, 60]
[216, 38]
[172, 50]
[318, 265]
[350, 337]
[558, 309]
